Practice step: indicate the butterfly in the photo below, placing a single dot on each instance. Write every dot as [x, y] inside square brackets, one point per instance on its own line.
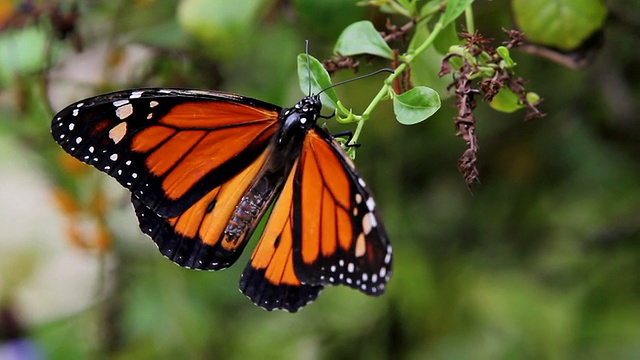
[203, 167]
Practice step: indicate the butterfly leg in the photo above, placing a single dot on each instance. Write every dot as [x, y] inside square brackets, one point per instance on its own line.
[349, 135]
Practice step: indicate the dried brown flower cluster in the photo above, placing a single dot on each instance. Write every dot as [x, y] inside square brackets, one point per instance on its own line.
[468, 82]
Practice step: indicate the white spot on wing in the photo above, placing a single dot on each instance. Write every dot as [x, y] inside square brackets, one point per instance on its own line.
[371, 204]
[119, 103]
[124, 111]
[113, 157]
[136, 94]
[372, 220]
[75, 112]
[71, 126]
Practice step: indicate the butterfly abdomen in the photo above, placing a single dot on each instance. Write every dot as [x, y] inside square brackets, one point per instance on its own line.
[249, 208]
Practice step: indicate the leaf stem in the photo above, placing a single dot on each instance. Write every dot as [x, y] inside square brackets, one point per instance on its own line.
[384, 91]
[468, 18]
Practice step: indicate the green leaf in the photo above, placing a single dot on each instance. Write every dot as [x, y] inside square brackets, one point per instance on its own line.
[362, 38]
[532, 97]
[430, 8]
[503, 51]
[447, 37]
[564, 24]
[506, 101]
[454, 9]
[416, 105]
[318, 81]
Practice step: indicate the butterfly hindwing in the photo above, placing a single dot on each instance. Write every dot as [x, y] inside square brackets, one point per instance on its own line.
[169, 147]
[204, 236]
[269, 279]
[341, 239]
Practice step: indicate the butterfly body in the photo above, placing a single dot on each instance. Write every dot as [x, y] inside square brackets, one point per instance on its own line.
[204, 167]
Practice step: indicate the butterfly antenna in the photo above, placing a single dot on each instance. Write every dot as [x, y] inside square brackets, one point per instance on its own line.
[388, 70]
[306, 52]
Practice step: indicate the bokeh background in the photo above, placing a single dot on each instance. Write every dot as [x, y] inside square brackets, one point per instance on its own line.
[541, 261]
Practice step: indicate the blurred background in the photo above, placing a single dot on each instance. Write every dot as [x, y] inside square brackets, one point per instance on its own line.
[540, 261]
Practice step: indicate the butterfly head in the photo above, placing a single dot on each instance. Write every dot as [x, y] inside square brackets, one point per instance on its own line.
[300, 118]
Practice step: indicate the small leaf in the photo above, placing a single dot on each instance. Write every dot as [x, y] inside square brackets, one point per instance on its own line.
[503, 51]
[362, 38]
[454, 9]
[319, 80]
[506, 101]
[532, 97]
[416, 105]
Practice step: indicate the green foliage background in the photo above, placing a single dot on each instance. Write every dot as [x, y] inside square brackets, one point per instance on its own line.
[542, 261]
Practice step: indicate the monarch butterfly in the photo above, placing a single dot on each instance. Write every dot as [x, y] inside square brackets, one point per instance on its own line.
[204, 166]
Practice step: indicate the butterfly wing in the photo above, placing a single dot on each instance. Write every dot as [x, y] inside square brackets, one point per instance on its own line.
[202, 237]
[169, 147]
[269, 279]
[324, 229]
[340, 238]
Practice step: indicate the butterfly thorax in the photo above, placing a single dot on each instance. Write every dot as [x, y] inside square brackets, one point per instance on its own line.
[296, 121]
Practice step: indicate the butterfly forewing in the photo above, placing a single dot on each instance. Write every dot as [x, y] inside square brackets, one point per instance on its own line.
[168, 146]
